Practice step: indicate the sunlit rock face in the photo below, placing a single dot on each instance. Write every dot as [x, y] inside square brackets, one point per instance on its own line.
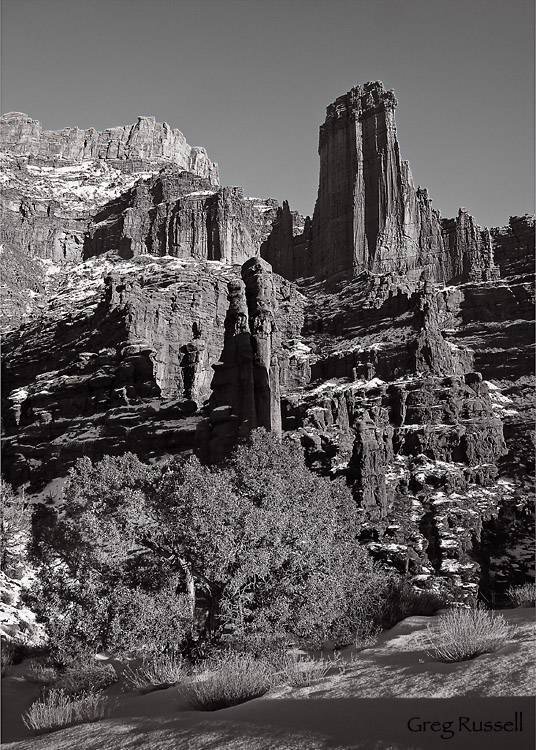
[145, 141]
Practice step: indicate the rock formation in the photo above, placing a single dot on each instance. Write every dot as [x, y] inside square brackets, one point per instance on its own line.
[175, 213]
[369, 216]
[146, 308]
[145, 141]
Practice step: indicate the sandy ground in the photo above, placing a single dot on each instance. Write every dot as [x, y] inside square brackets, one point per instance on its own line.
[381, 702]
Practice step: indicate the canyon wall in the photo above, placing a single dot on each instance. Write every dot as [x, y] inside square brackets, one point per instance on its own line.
[146, 140]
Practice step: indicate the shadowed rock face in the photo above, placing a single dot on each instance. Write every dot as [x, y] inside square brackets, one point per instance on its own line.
[177, 214]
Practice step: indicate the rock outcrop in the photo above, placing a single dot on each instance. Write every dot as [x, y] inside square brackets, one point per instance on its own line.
[178, 214]
[254, 363]
[126, 353]
[514, 246]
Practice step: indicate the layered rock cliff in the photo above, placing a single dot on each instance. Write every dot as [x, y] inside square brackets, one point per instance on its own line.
[69, 195]
[146, 141]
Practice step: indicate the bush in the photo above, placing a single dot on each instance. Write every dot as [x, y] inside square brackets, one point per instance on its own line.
[160, 670]
[463, 634]
[86, 676]
[57, 710]
[7, 655]
[145, 559]
[366, 640]
[402, 601]
[523, 596]
[43, 673]
[299, 671]
[234, 678]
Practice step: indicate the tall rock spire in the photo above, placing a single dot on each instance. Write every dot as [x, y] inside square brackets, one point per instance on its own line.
[369, 216]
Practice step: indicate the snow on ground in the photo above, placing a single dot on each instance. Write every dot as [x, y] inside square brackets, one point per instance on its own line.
[367, 707]
[87, 184]
[16, 620]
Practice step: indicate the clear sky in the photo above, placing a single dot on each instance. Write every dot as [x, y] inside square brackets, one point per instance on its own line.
[250, 80]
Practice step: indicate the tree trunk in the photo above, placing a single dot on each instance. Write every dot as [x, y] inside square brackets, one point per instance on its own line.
[190, 587]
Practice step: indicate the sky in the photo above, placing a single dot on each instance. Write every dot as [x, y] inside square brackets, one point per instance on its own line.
[250, 81]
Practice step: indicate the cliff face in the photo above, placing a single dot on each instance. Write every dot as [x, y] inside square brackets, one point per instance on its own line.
[70, 195]
[147, 140]
[126, 353]
[175, 213]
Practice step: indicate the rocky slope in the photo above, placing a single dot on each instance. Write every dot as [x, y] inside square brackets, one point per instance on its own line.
[146, 308]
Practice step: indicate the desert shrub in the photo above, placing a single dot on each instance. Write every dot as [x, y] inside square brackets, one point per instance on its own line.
[156, 671]
[463, 634]
[402, 600]
[523, 596]
[300, 671]
[94, 590]
[86, 676]
[234, 678]
[309, 577]
[366, 640]
[43, 673]
[7, 655]
[57, 709]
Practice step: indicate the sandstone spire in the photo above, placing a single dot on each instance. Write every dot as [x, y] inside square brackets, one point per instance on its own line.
[369, 216]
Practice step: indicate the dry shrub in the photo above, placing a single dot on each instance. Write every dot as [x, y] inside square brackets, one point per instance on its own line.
[7, 656]
[463, 634]
[43, 673]
[86, 676]
[402, 600]
[523, 596]
[232, 679]
[299, 671]
[160, 670]
[57, 710]
[366, 640]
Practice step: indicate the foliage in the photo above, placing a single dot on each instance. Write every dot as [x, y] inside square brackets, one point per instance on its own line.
[159, 670]
[234, 678]
[7, 656]
[523, 596]
[463, 634]
[402, 600]
[86, 676]
[57, 709]
[298, 671]
[152, 560]
[301, 570]
[43, 673]
[14, 531]
[94, 591]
